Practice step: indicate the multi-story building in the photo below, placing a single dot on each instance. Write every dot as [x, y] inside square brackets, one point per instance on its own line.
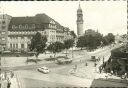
[4, 22]
[21, 30]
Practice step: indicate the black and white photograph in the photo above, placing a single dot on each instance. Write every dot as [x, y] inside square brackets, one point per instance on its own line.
[64, 44]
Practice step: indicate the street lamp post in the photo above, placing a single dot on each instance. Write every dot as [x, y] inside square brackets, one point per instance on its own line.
[127, 40]
[72, 52]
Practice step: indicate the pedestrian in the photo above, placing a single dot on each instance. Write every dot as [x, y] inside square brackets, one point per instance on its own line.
[86, 64]
[98, 58]
[103, 59]
[75, 66]
[2, 77]
[80, 60]
[12, 74]
[100, 70]
[5, 75]
[111, 72]
[95, 64]
[106, 76]
[125, 75]
[9, 84]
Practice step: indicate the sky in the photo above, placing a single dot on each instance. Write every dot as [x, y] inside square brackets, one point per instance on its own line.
[104, 16]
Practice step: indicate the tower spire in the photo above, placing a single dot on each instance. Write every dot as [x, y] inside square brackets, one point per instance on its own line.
[79, 5]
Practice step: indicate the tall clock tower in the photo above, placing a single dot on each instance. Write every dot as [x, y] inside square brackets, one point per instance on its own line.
[79, 21]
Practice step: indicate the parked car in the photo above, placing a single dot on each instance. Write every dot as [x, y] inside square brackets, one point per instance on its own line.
[44, 70]
[93, 58]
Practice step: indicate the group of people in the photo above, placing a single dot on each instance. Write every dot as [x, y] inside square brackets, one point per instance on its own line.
[6, 76]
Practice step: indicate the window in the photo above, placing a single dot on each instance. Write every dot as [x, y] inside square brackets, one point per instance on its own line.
[10, 45]
[33, 26]
[29, 38]
[17, 46]
[3, 22]
[3, 33]
[22, 45]
[20, 26]
[26, 26]
[3, 39]
[3, 27]
[13, 26]
[22, 37]
[13, 45]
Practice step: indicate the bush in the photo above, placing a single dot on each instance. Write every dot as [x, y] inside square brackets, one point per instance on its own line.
[33, 60]
[119, 53]
[55, 58]
[50, 59]
[65, 57]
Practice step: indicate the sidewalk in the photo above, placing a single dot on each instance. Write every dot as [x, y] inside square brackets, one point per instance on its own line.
[3, 84]
[14, 83]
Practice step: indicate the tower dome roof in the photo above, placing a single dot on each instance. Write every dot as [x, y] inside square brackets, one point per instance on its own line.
[79, 8]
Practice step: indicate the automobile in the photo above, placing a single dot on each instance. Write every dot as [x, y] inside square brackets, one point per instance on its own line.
[43, 69]
[93, 58]
[63, 61]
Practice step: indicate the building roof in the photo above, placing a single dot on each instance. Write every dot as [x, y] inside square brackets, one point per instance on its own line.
[22, 20]
[79, 8]
[37, 19]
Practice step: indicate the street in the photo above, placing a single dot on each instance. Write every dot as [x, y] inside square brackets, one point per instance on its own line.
[60, 75]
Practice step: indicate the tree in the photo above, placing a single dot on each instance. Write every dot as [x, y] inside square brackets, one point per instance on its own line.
[55, 47]
[73, 34]
[38, 44]
[105, 41]
[108, 39]
[111, 38]
[81, 42]
[93, 39]
[68, 44]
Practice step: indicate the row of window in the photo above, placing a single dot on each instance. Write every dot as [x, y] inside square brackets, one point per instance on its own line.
[52, 26]
[53, 31]
[26, 26]
[20, 37]
[16, 46]
[3, 32]
[19, 32]
[2, 22]
[3, 39]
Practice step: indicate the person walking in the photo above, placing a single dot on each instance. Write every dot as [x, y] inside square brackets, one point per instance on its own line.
[111, 72]
[75, 68]
[98, 58]
[8, 83]
[12, 74]
[95, 64]
[103, 59]
[86, 64]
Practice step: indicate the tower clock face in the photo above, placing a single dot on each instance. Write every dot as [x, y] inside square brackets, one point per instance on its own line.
[79, 17]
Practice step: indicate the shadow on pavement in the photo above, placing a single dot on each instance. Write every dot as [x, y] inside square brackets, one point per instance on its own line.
[109, 83]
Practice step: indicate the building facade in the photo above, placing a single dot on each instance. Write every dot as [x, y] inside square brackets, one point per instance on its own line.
[79, 21]
[4, 23]
[20, 30]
